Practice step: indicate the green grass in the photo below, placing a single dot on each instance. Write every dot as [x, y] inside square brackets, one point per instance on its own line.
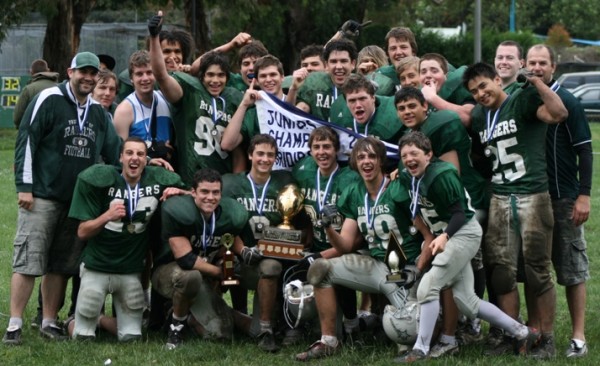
[243, 351]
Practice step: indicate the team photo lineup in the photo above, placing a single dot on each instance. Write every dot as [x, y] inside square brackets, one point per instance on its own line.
[373, 196]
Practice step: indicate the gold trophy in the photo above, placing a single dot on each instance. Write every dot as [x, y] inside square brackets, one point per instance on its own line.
[229, 278]
[284, 241]
[395, 259]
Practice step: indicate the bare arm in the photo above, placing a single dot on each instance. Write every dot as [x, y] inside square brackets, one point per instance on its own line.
[231, 136]
[123, 119]
[553, 110]
[426, 255]
[344, 241]
[180, 246]
[463, 111]
[90, 228]
[452, 158]
[298, 78]
[168, 85]
[238, 41]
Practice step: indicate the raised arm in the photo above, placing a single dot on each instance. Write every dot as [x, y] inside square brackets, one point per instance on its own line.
[168, 85]
[232, 136]
[238, 41]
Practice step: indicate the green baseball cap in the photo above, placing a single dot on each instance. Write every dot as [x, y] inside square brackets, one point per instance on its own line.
[85, 59]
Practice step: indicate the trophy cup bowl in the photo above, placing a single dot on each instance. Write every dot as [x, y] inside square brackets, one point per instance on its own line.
[284, 241]
[289, 203]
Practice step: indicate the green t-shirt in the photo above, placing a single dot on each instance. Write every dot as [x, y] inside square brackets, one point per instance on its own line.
[198, 136]
[305, 173]
[438, 189]
[391, 213]
[390, 72]
[116, 249]
[517, 144]
[181, 217]
[238, 187]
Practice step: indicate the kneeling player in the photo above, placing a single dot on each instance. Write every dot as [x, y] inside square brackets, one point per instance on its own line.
[438, 194]
[115, 209]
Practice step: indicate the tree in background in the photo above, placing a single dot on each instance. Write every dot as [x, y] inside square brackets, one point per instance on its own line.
[558, 37]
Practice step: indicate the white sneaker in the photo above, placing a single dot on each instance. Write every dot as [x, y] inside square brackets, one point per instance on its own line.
[574, 351]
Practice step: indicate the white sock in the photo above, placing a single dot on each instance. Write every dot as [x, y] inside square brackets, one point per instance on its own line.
[499, 319]
[15, 323]
[447, 339]
[429, 315]
[330, 341]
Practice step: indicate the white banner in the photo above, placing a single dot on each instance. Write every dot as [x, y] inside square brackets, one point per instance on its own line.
[291, 128]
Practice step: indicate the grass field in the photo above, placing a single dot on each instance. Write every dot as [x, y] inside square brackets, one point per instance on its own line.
[243, 351]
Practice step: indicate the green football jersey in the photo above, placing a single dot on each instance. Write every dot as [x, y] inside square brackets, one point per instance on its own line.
[516, 145]
[391, 214]
[447, 133]
[198, 128]
[236, 82]
[319, 93]
[390, 72]
[438, 189]
[453, 90]
[511, 88]
[181, 217]
[238, 187]
[122, 244]
[305, 173]
[384, 124]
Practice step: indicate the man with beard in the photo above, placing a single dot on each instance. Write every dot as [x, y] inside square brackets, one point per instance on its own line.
[63, 132]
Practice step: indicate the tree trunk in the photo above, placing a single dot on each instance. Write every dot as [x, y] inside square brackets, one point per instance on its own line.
[198, 26]
[63, 30]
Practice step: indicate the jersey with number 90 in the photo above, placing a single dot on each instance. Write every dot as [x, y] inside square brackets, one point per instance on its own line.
[392, 213]
[517, 145]
[115, 249]
[198, 137]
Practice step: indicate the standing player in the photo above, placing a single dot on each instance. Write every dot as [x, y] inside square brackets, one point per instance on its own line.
[115, 208]
[257, 191]
[400, 43]
[187, 267]
[63, 132]
[439, 197]
[245, 124]
[408, 72]
[443, 89]
[201, 109]
[145, 112]
[569, 155]
[105, 91]
[508, 61]
[513, 129]
[373, 208]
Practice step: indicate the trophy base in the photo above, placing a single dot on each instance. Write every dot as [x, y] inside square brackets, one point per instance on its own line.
[277, 234]
[394, 278]
[230, 282]
[281, 250]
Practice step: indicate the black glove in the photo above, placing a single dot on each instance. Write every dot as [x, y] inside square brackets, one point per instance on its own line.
[410, 275]
[328, 214]
[251, 256]
[305, 262]
[155, 25]
[350, 28]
